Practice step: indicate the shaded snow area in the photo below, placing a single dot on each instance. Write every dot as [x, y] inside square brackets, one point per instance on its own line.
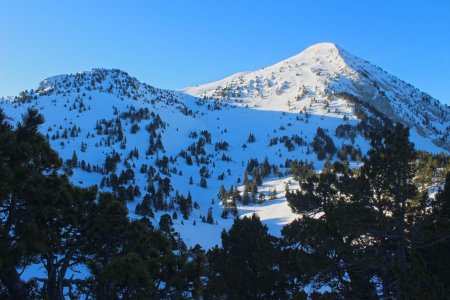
[200, 138]
[274, 213]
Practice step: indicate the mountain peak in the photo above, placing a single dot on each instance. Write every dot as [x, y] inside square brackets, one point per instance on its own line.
[325, 79]
[322, 46]
[317, 51]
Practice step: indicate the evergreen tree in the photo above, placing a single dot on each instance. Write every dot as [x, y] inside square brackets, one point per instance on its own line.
[251, 138]
[203, 183]
[366, 218]
[74, 160]
[209, 218]
[145, 207]
[431, 237]
[247, 264]
[166, 224]
[43, 215]
[257, 176]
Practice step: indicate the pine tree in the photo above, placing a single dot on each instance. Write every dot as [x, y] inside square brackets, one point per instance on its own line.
[245, 178]
[209, 218]
[374, 204]
[36, 215]
[203, 183]
[74, 159]
[166, 224]
[257, 176]
[222, 192]
[245, 267]
[251, 138]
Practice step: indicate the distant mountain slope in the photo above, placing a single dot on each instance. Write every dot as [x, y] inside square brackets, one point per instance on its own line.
[327, 80]
[186, 155]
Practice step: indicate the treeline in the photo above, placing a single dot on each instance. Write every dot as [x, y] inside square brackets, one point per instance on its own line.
[365, 234]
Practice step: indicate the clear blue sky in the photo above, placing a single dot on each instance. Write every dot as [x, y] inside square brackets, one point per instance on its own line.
[174, 44]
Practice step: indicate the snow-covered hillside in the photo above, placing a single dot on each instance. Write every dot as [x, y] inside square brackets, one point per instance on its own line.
[172, 151]
[327, 80]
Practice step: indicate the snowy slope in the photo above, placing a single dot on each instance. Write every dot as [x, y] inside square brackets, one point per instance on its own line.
[319, 80]
[102, 112]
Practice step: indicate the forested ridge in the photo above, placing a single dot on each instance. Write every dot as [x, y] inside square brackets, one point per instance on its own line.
[367, 233]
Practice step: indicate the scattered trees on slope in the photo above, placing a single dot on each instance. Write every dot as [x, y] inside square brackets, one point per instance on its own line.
[364, 234]
[47, 221]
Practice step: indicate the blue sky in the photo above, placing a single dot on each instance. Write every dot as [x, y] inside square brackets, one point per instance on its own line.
[174, 44]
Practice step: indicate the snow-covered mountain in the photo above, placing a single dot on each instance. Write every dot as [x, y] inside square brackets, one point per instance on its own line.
[171, 151]
[327, 80]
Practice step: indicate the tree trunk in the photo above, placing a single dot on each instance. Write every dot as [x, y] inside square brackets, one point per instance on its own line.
[400, 235]
[15, 286]
[52, 286]
[54, 290]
